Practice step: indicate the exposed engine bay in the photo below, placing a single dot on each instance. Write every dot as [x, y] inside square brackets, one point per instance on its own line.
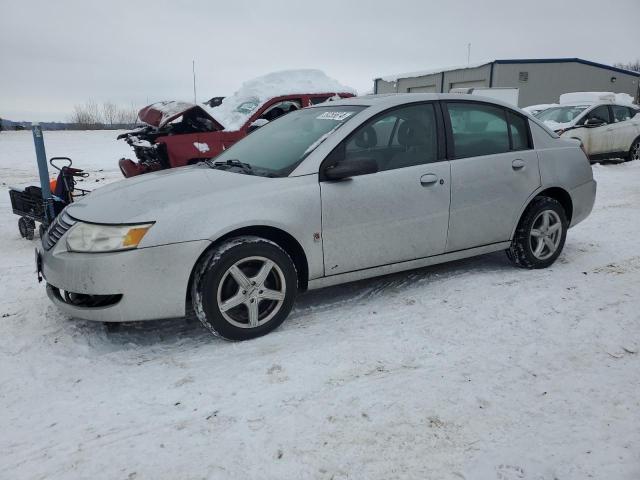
[163, 120]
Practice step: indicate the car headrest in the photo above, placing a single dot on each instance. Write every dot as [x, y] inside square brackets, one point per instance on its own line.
[366, 138]
[412, 133]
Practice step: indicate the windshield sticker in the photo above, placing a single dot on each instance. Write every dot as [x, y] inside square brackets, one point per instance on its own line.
[337, 116]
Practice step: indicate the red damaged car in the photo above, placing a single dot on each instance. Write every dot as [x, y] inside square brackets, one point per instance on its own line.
[181, 133]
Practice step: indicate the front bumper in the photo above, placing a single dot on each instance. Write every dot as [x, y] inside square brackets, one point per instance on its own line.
[152, 281]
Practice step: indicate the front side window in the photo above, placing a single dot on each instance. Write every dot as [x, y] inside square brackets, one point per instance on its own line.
[599, 114]
[404, 137]
[278, 147]
[478, 129]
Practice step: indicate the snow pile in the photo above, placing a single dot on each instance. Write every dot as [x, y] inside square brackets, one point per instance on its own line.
[420, 374]
[533, 109]
[235, 110]
[596, 97]
[624, 98]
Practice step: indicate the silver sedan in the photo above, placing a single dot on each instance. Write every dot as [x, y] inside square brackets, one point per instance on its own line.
[334, 193]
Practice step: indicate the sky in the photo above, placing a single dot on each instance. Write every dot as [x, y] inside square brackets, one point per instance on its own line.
[56, 54]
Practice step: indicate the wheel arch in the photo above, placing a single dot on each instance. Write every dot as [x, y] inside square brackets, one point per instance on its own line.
[283, 239]
[637, 139]
[557, 193]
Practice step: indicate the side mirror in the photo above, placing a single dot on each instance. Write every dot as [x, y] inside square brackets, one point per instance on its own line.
[594, 122]
[350, 168]
[261, 122]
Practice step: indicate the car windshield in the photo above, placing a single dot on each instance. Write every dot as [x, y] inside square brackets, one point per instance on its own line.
[278, 147]
[562, 114]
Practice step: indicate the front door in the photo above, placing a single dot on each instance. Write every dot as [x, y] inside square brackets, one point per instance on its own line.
[597, 140]
[399, 213]
[494, 171]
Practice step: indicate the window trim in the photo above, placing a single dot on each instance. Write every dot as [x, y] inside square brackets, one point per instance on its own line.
[449, 129]
[441, 154]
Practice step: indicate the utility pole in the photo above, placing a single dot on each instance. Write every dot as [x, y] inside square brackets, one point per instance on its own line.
[193, 67]
[468, 53]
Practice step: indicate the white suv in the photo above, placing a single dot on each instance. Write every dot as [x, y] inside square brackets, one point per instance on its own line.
[606, 130]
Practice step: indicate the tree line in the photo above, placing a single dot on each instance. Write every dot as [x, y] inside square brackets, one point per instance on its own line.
[634, 66]
[93, 116]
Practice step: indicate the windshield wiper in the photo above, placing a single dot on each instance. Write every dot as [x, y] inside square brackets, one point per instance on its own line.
[231, 163]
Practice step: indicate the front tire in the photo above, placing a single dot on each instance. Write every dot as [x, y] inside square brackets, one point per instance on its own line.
[540, 236]
[244, 288]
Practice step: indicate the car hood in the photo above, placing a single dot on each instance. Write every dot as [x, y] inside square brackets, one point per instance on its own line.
[160, 113]
[145, 198]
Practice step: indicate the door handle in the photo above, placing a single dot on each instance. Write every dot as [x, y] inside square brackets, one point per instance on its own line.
[517, 164]
[428, 179]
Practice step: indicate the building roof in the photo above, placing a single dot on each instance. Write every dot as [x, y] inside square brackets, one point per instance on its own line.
[423, 73]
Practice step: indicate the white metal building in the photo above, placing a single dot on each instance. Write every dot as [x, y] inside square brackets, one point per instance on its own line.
[539, 80]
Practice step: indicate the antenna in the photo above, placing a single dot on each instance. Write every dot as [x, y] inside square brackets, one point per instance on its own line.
[193, 68]
[468, 53]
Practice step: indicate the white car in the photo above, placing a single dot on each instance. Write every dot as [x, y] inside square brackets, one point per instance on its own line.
[606, 130]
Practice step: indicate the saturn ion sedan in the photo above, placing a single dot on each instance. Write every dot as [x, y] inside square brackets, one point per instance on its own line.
[329, 194]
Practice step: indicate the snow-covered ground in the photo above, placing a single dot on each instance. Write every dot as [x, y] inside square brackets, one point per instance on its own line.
[471, 370]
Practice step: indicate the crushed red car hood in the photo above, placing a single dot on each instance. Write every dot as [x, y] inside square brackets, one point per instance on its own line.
[160, 113]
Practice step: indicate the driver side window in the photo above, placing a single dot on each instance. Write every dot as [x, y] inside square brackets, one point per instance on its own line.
[404, 137]
[600, 113]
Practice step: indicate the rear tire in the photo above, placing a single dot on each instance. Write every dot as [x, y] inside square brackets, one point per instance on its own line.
[244, 288]
[540, 236]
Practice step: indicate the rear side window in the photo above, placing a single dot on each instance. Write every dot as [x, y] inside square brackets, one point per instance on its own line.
[519, 132]
[478, 129]
[620, 113]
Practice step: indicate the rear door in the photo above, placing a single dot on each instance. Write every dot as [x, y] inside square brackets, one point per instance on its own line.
[399, 213]
[622, 129]
[494, 170]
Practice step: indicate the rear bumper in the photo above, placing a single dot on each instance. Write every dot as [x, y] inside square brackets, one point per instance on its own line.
[144, 284]
[583, 198]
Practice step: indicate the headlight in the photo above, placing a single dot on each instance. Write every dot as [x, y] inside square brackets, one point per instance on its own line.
[90, 237]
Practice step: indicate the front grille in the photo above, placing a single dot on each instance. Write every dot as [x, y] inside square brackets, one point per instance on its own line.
[57, 229]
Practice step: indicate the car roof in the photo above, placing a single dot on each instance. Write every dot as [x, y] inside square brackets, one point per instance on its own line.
[392, 99]
[594, 104]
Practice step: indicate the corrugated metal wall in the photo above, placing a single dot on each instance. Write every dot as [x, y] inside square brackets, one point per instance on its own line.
[545, 81]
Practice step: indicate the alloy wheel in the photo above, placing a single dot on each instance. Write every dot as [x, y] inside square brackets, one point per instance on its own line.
[251, 292]
[546, 234]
